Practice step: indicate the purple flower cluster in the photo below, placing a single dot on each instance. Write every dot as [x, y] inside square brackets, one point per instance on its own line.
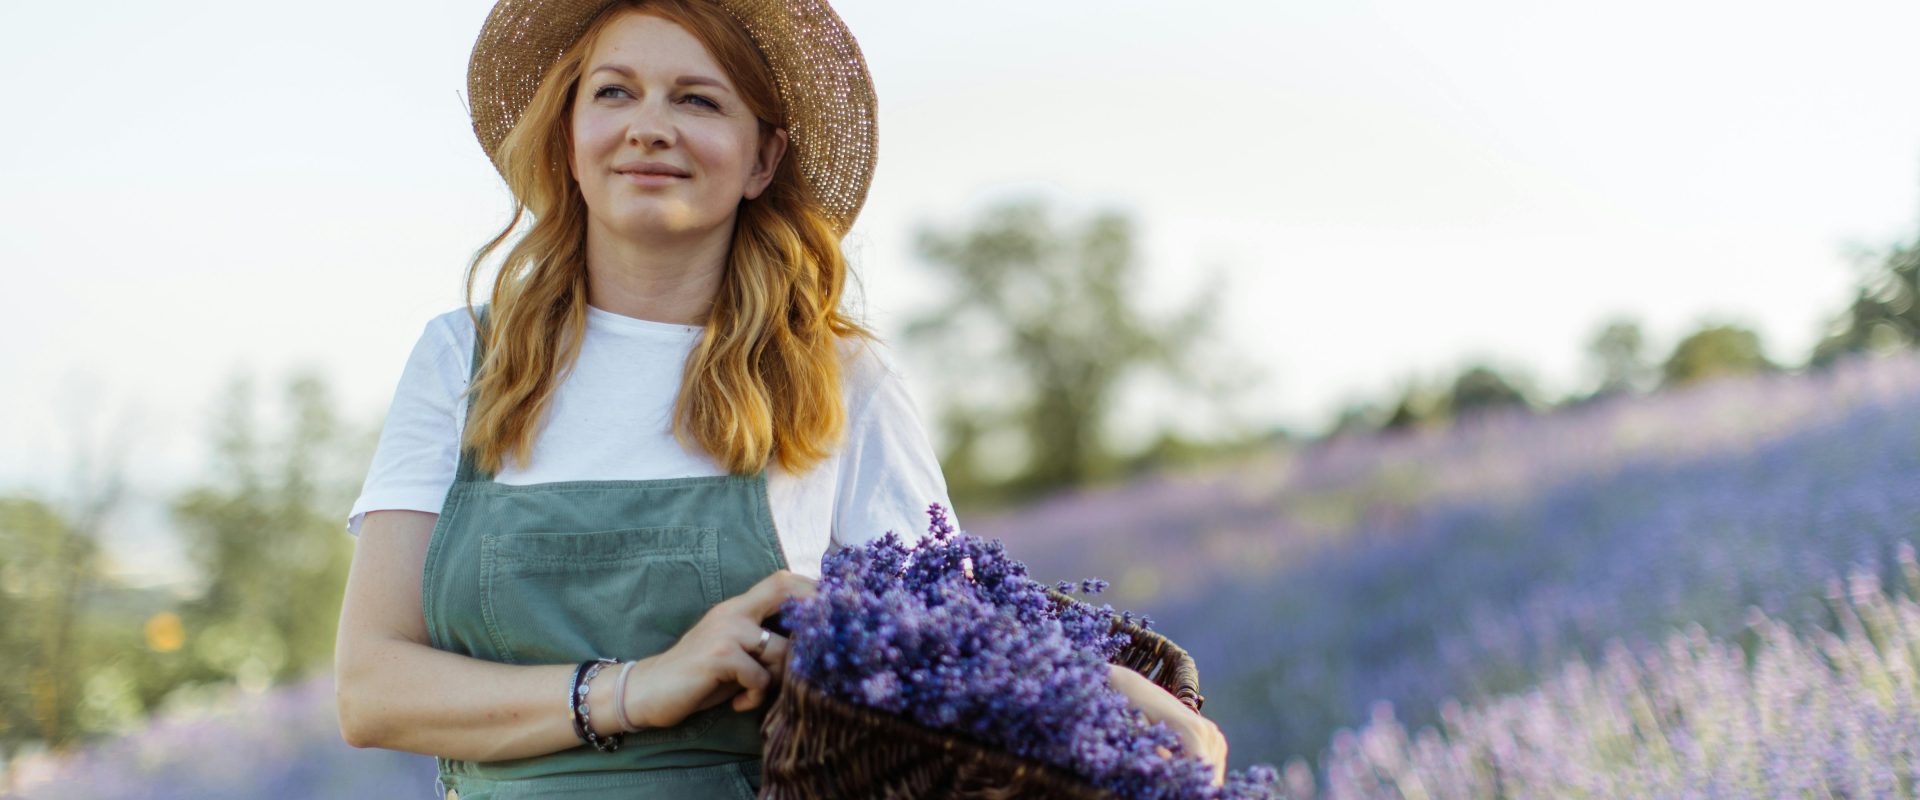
[1468, 562]
[222, 743]
[952, 634]
[1771, 713]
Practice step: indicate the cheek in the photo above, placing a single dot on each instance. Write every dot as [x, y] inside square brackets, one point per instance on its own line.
[730, 150]
[590, 137]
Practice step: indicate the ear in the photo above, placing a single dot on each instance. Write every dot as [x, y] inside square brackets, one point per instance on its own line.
[773, 147]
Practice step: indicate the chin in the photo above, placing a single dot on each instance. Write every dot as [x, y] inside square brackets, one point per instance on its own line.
[658, 223]
[661, 217]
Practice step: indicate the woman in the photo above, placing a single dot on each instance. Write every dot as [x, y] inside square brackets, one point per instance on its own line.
[610, 476]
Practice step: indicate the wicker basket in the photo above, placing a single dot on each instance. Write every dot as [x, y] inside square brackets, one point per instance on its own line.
[822, 748]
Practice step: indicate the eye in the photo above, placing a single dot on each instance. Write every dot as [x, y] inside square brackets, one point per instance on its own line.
[704, 99]
[604, 89]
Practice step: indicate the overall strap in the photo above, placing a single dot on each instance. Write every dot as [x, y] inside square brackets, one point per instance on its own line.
[469, 472]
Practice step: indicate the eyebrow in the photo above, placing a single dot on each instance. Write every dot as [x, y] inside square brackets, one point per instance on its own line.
[684, 80]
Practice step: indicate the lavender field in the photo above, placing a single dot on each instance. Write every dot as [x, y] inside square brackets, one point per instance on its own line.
[1473, 562]
[229, 745]
[1814, 715]
[1678, 595]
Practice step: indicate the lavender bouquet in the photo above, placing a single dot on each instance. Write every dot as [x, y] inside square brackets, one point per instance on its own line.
[952, 635]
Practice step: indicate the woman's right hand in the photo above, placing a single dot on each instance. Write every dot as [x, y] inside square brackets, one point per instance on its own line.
[714, 661]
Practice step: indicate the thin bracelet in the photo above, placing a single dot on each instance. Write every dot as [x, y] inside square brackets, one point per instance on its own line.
[620, 699]
[604, 744]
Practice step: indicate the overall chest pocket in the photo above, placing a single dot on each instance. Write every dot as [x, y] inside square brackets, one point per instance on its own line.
[564, 597]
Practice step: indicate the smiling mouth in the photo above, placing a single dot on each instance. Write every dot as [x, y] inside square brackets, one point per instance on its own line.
[651, 177]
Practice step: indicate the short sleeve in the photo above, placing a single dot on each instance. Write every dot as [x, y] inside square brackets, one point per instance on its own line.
[418, 451]
[888, 471]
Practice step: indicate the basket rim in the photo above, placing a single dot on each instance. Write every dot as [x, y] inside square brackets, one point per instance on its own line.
[1180, 663]
[1047, 776]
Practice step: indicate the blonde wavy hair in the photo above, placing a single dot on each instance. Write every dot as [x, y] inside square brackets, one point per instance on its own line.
[763, 382]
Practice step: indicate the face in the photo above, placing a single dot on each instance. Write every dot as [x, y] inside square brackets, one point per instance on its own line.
[651, 97]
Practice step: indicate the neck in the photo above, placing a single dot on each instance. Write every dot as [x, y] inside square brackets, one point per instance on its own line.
[665, 280]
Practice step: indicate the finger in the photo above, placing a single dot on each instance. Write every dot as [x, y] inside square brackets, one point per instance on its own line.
[775, 654]
[1193, 744]
[750, 637]
[775, 659]
[719, 694]
[1216, 744]
[751, 676]
[766, 596]
[748, 701]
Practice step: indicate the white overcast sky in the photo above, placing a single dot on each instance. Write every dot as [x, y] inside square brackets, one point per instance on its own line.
[1391, 187]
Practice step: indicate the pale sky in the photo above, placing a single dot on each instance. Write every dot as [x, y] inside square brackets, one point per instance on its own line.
[1391, 187]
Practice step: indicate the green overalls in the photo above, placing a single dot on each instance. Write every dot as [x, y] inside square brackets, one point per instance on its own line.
[562, 572]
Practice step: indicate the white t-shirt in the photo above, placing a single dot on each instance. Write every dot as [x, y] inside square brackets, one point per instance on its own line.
[612, 419]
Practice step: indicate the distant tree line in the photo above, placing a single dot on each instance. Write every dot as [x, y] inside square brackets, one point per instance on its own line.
[1883, 317]
[1037, 326]
[1617, 354]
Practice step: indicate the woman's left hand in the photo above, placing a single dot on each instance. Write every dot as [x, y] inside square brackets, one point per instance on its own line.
[1197, 733]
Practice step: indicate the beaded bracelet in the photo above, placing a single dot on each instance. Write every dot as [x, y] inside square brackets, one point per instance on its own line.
[577, 704]
[573, 688]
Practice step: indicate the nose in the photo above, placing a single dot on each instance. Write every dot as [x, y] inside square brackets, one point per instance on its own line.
[650, 127]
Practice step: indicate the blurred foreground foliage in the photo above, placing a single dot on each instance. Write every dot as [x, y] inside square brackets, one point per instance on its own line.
[95, 656]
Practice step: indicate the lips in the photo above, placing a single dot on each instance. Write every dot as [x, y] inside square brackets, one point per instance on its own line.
[652, 169]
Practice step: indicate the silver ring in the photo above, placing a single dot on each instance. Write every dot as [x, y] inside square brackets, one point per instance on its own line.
[765, 636]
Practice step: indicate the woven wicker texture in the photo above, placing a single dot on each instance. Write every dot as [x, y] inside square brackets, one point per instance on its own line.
[821, 748]
[816, 63]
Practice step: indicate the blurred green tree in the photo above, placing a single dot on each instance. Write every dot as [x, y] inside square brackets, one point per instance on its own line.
[1356, 417]
[1617, 355]
[56, 601]
[1419, 404]
[1038, 334]
[1479, 389]
[1885, 312]
[47, 566]
[265, 533]
[1715, 350]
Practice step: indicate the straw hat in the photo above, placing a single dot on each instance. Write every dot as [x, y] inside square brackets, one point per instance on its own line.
[816, 64]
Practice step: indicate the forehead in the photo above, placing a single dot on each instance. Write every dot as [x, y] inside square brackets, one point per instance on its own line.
[647, 44]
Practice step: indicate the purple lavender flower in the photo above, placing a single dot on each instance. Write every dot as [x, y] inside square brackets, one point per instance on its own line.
[952, 634]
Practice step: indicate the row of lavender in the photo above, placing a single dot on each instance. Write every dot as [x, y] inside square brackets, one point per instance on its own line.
[1818, 714]
[1272, 511]
[1472, 563]
[1813, 715]
[230, 745]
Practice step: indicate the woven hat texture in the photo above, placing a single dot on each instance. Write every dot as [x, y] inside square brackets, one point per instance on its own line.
[816, 64]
